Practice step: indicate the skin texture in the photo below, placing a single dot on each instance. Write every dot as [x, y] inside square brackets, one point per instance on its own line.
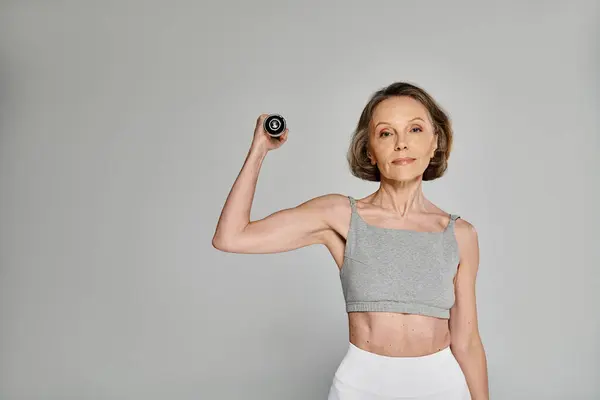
[400, 127]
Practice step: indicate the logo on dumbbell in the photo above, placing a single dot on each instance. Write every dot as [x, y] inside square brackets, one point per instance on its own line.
[274, 125]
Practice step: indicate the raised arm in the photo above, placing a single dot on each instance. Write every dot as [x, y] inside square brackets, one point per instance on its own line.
[284, 230]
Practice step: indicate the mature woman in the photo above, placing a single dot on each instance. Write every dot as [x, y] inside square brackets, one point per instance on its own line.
[407, 268]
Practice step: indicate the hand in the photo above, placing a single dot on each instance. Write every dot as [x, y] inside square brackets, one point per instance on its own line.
[262, 140]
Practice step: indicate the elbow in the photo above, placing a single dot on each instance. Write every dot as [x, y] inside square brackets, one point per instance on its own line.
[465, 346]
[459, 348]
[226, 243]
[229, 241]
[220, 243]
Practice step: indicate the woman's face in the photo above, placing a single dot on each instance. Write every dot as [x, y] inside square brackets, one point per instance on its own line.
[401, 128]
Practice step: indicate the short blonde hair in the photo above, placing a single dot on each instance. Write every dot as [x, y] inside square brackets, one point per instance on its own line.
[360, 165]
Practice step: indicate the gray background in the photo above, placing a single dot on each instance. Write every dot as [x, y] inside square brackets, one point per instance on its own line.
[125, 123]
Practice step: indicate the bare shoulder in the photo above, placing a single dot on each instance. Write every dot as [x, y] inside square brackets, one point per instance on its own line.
[336, 211]
[466, 230]
[468, 240]
[328, 201]
[335, 208]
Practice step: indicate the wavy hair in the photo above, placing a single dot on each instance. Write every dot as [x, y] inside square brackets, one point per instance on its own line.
[360, 165]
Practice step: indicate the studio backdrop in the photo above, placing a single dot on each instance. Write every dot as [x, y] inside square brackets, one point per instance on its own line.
[123, 126]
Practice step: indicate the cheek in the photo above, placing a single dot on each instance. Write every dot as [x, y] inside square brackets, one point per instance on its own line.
[423, 147]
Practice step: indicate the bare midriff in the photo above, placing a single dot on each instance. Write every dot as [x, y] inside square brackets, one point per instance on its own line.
[397, 334]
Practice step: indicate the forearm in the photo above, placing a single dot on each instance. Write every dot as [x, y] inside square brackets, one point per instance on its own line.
[473, 363]
[235, 215]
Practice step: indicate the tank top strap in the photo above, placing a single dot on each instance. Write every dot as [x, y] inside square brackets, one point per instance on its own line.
[453, 218]
[352, 204]
[350, 240]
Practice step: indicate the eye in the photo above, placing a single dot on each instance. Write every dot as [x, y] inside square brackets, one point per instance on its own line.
[384, 133]
[416, 127]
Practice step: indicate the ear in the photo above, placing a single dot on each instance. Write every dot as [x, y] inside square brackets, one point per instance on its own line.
[435, 146]
[371, 158]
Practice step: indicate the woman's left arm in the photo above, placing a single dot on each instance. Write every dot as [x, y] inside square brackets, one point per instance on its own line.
[466, 344]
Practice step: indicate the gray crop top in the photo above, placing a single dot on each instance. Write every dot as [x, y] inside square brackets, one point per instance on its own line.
[399, 270]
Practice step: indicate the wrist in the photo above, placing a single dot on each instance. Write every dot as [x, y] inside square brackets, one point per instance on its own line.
[257, 152]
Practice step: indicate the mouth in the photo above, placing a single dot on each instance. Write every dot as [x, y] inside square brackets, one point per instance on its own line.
[403, 161]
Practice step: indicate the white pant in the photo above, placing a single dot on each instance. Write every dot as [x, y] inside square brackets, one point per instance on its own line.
[363, 375]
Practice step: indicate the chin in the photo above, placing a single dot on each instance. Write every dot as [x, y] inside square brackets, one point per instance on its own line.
[405, 177]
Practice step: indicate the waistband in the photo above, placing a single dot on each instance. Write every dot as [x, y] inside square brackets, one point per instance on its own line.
[413, 361]
[388, 375]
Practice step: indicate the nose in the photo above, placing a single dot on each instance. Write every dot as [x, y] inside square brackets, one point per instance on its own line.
[401, 142]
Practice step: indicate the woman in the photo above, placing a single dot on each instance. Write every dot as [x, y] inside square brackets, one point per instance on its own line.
[407, 267]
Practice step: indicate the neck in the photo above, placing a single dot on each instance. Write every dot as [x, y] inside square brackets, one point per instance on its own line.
[400, 197]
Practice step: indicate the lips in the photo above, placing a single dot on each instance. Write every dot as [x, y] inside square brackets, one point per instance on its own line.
[403, 160]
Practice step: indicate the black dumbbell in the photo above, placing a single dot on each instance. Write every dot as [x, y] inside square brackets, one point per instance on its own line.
[274, 125]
